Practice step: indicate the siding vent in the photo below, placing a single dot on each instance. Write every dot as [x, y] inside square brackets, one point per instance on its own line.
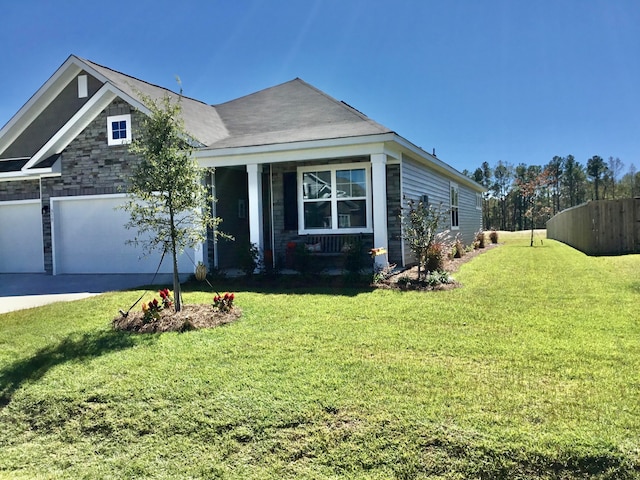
[83, 91]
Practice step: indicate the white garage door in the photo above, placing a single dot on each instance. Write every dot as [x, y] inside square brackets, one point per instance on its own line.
[21, 237]
[89, 237]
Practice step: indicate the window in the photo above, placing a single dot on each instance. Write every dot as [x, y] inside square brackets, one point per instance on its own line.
[455, 218]
[119, 129]
[478, 201]
[334, 199]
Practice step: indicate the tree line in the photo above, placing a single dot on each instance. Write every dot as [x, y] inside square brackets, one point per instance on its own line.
[562, 183]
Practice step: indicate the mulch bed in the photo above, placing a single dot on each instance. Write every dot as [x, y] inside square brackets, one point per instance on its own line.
[190, 317]
[398, 281]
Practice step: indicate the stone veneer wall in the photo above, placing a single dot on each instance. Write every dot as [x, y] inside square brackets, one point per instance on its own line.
[20, 190]
[89, 166]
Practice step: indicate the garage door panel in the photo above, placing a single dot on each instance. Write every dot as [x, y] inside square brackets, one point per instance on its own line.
[90, 237]
[21, 245]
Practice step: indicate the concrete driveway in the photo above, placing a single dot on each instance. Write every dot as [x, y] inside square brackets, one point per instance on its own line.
[26, 290]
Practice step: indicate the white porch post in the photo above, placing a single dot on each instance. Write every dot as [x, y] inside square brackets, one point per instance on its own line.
[254, 172]
[379, 190]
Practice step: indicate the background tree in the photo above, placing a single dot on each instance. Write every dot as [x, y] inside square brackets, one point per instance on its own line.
[554, 174]
[503, 178]
[167, 202]
[596, 170]
[615, 166]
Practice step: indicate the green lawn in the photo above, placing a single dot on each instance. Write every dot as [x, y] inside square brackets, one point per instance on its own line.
[531, 370]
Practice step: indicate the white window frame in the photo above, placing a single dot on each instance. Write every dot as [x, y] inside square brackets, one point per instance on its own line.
[118, 118]
[334, 199]
[454, 202]
[478, 201]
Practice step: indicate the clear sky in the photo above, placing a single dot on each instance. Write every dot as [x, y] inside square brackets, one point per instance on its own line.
[512, 80]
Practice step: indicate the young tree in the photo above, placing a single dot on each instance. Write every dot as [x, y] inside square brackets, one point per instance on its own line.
[533, 191]
[420, 226]
[167, 202]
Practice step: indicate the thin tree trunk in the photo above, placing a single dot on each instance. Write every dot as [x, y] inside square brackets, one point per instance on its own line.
[176, 279]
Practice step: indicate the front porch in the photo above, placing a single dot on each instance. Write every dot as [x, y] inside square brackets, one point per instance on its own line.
[283, 205]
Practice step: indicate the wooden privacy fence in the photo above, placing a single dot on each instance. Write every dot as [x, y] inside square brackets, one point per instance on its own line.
[600, 227]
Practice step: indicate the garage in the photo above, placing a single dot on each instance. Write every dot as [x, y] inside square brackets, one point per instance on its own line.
[89, 237]
[21, 246]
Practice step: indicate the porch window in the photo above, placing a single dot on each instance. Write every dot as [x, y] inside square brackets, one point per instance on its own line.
[334, 199]
[455, 218]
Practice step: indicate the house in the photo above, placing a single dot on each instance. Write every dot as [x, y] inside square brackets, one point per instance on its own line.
[287, 164]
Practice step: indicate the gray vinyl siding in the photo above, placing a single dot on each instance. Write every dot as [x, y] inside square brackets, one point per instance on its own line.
[470, 216]
[418, 179]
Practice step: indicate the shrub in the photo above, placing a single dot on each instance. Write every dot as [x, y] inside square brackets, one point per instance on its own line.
[303, 260]
[249, 258]
[439, 278]
[435, 256]
[353, 256]
[404, 281]
[381, 273]
[493, 236]
[458, 249]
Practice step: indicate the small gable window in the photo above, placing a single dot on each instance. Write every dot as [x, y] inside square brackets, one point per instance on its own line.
[119, 129]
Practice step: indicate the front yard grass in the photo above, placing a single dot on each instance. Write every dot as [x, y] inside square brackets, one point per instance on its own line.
[531, 370]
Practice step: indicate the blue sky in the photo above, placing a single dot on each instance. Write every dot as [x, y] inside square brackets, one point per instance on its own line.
[478, 81]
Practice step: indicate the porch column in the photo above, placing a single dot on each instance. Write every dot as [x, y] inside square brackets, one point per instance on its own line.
[379, 189]
[254, 177]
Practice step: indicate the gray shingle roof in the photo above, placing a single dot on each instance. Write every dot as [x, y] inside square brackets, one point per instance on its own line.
[201, 120]
[291, 112]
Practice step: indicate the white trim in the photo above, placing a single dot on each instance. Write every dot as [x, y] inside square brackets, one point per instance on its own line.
[118, 118]
[366, 166]
[379, 204]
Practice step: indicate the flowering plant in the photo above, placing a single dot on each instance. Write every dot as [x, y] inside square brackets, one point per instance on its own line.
[223, 303]
[151, 310]
[167, 299]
